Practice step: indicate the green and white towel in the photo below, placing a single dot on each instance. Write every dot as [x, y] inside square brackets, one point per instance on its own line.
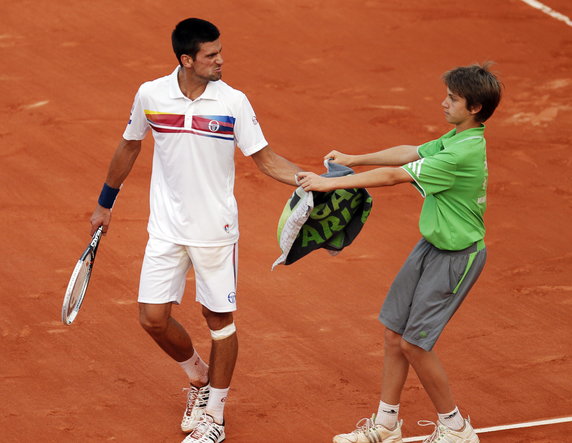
[329, 220]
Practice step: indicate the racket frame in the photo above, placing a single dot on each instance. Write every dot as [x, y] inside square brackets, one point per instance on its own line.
[90, 252]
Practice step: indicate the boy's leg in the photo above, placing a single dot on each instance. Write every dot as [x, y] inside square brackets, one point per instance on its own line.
[432, 375]
[446, 280]
[384, 426]
[395, 368]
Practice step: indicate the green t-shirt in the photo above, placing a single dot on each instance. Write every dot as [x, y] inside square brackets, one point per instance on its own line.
[452, 177]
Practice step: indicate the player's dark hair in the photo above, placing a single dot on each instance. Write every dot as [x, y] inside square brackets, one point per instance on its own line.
[189, 34]
[478, 86]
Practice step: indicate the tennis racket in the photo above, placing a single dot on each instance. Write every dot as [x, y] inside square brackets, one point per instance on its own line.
[79, 280]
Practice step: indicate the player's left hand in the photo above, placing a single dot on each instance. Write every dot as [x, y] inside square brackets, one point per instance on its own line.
[313, 182]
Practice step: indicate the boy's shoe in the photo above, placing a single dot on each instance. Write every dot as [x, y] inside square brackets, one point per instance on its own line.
[443, 434]
[196, 403]
[206, 431]
[368, 432]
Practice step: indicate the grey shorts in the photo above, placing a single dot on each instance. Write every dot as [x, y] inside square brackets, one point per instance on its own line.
[429, 289]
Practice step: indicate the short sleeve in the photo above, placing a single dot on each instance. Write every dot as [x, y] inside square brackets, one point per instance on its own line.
[430, 148]
[249, 136]
[433, 174]
[137, 127]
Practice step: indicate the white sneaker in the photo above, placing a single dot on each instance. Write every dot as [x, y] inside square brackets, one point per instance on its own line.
[206, 431]
[196, 403]
[368, 432]
[443, 434]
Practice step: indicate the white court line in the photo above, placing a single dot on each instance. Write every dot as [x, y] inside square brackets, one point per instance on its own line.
[529, 424]
[547, 10]
[35, 105]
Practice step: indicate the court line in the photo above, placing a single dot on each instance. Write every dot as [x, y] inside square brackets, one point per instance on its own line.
[529, 424]
[548, 10]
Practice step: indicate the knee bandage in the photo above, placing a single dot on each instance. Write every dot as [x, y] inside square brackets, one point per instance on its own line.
[223, 333]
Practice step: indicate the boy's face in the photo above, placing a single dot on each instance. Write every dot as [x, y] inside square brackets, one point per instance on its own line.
[455, 108]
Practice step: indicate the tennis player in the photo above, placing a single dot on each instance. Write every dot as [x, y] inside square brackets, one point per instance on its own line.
[197, 120]
[451, 174]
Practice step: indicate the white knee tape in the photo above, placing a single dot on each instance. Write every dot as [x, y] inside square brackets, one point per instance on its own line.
[223, 333]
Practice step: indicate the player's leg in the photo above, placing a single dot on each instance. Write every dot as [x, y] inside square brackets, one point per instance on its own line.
[224, 347]
[163, 274]
[216, 271]
[162, 283]
[165, 330]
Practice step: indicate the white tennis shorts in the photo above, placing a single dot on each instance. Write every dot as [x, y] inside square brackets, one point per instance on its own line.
[165, 267]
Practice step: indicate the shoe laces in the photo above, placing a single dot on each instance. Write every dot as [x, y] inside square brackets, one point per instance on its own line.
[202, 428]
[438, 433]
[365, 425]
[196, 396]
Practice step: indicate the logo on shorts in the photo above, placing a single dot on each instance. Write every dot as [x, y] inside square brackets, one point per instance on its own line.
[254, 120]
[227, 228]
[231, 297]
[214, 126]
[423, 334]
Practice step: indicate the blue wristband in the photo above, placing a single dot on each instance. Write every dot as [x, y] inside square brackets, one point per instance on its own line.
[107, 196]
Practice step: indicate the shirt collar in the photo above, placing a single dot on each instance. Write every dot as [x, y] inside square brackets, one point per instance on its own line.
[210, 92]
[452, 137]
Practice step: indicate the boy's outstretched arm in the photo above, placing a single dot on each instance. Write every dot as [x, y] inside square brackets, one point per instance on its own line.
[376, 177]
[395, 156]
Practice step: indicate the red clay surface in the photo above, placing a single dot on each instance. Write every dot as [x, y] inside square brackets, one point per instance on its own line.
[356, 75]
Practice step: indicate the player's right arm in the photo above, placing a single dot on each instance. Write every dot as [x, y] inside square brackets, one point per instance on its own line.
[395, 156]
[121, 163]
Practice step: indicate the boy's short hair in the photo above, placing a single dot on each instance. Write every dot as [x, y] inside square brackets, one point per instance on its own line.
[478, 86]
[189, 34]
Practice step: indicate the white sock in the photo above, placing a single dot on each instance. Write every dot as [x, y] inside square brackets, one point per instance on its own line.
[453, 420]
[387, 415]
[215, 405]
[196, 369]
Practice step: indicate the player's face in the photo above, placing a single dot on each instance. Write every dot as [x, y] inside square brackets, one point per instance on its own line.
[455, 108]
[208, 61]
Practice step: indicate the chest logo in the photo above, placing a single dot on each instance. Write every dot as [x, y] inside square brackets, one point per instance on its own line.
[214, 126]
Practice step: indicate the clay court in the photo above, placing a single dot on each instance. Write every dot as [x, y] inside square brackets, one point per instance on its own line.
[352, 75]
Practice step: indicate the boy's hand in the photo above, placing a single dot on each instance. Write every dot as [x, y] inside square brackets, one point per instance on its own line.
[339, 158]
[313, 182]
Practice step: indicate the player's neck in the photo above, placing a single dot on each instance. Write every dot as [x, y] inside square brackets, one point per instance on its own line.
[467, 124]
[191, 86]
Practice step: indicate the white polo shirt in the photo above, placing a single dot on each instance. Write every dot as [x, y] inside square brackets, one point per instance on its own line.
[192, 182]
